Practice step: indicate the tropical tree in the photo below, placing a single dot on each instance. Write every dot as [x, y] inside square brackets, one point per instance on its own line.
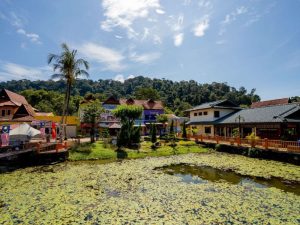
[153, 133]
[146, 93]
[68, 68]
[162, 118]
[128, 134]
[91, 115]
[184, 134]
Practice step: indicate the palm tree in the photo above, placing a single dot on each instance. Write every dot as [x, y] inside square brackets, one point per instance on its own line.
[69, 69]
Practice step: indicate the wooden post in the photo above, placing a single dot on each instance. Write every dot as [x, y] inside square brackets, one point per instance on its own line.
[252, 143]
[201, 137]
[238, 141]
[266, 143]
[38, 148]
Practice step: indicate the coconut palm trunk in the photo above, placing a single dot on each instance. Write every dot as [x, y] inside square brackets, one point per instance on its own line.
[69, 69]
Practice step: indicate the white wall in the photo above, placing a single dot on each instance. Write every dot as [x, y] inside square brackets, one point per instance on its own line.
[201, 129]
[210, 114]
[71, 131]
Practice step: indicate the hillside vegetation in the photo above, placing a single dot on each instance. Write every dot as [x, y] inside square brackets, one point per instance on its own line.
[177, 96]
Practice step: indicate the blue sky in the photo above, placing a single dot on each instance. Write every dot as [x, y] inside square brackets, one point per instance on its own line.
[252, 43]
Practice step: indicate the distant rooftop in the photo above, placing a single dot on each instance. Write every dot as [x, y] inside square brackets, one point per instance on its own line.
[216, 104]
[281, 101]
[264, 114]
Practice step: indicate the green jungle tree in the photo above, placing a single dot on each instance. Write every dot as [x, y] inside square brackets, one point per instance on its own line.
[184, 134]
[128, 133]
[91, 115]
[153, 133]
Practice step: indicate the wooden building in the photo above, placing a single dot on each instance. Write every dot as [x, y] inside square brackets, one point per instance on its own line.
[274, 119]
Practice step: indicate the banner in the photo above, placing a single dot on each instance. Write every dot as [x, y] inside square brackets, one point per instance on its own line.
[53, 131]
[4, 139]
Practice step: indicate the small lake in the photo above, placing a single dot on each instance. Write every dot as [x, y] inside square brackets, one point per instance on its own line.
[190, 173]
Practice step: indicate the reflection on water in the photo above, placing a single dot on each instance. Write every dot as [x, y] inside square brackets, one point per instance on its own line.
[203, 174]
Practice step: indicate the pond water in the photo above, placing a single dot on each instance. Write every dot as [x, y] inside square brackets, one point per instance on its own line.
[226, 190]
[190, 173]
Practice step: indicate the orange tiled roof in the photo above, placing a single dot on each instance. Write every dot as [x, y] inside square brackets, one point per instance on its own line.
[280, 101]
[16, 98]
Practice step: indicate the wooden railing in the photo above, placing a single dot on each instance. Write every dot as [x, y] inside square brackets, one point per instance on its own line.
[50, 147]
[287, 146]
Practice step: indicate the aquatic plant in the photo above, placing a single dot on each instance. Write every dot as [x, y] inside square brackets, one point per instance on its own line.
[131, 191]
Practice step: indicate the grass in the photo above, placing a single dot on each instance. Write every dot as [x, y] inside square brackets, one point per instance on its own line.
[101, 151]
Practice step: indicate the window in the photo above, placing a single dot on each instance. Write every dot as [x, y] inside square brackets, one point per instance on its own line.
[205, 113]
[195, 114]
[3, 112]
[8, 112]
[207, 130]
[200, 113]
[216, 113]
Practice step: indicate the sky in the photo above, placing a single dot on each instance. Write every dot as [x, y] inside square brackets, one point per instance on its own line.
[250, 43]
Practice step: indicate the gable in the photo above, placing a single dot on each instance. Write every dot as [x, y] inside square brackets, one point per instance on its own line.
[4, 96]
[294, 115]
[226, 104]
[112, 101]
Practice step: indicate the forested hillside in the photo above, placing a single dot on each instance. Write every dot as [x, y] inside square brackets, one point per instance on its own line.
[177, 96]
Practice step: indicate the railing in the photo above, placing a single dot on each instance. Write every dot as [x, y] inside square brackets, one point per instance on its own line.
[51, 147]
[287, 146]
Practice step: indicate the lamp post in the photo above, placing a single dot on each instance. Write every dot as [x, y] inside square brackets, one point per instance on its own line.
[239, 119]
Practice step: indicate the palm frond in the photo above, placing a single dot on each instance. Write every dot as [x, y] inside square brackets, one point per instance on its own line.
[82, 73]
[80, 62]
[57, 76]
[65, 47]
[52, 57]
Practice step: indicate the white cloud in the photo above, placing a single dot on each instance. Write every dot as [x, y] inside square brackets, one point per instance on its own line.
[241, 10]
[15, 71]
[124, 13]
[178, 39]
[112, 59]
[160, 11]
[35, 38]
[144, 58]
[118, 36]
[156, 39]
[205, 4]
[16, 20]
[18, 23]
[200, 28]
[121, 78]
[146, 33]
[229, 18]
[131, 76]
[176, 24]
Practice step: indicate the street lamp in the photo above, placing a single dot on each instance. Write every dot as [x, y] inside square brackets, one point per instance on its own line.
[239, 119]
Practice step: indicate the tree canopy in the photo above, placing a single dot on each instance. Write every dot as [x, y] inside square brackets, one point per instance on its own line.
[177, 96]
[128, 112]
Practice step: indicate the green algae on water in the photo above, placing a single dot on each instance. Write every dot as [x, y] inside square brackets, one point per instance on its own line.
[133, 192]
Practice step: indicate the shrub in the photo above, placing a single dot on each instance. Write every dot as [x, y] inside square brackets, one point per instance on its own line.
[254, 152]
[187, 143]
[252, 136]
